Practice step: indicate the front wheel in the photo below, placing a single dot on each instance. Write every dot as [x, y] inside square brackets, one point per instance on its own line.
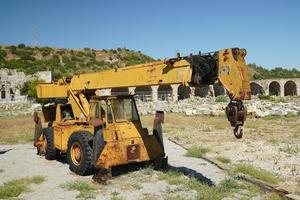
[79, 153]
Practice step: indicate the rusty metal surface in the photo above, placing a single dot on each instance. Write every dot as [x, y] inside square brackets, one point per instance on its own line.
[96, 122]
[133, 152]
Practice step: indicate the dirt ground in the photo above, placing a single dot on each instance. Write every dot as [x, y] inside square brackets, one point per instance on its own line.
[271, 144]
[20, 160]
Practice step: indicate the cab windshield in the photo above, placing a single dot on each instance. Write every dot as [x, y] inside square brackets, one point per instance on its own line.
[124, 110]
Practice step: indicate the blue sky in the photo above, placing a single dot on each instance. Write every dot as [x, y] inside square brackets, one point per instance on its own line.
[269, 30]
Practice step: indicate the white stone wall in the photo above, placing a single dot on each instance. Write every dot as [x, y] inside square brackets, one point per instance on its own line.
[11, 82]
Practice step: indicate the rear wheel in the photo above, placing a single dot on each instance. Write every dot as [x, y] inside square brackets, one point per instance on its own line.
[80, 153]
[50, 151]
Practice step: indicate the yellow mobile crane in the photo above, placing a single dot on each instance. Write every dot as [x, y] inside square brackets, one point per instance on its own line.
[100, 132]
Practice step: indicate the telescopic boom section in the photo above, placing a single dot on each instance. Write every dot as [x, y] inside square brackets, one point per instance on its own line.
[227, 66]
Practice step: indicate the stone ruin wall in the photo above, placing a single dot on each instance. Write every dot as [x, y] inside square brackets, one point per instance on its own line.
[11, 82]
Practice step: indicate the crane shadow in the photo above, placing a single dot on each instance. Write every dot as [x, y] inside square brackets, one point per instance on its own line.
[125, 169]
[193, 174]
[3, 151]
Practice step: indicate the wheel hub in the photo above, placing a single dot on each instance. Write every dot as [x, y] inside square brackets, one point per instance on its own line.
[76, 153]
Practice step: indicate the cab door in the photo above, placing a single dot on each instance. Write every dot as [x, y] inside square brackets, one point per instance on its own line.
[58, 129]
[109, 130]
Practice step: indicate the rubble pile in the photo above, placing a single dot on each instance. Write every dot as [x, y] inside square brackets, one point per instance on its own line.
[207, 106]
[14, 109]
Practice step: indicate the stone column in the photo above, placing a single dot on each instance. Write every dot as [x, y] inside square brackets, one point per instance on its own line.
[154, 93]
[211, 90]
[175, 92]
[131, 90]
[7, 94]
[281, 89]
[17, 94]
[192, 94]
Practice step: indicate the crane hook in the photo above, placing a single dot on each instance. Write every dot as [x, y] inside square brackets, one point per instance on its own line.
[238, 132]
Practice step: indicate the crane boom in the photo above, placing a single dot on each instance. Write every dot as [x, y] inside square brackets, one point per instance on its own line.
[228, 66]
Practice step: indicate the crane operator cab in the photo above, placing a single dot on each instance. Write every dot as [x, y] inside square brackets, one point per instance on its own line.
[121, 138]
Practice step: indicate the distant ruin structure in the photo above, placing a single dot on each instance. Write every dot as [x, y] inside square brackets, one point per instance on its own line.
[175, 92]
[11, 82]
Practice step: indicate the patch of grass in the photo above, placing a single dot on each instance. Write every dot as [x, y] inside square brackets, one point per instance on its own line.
[137, 186]
[16, 187]
[86, 190]
[221, 99]
[253, 190]
[224, 189]
[149, 170]
[115, 196]
[256, 173]
[173, 177]
[273, 196]
[1, 170]
[197, 152]
[273, 141]
[223, 159]
[204, 191]
[290, 149]
[278, 99]
[264, 97]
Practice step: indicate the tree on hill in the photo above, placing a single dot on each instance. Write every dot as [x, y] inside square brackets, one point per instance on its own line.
[278, 72]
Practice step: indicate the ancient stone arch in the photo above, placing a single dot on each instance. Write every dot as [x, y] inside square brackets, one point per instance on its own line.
[119, 91]
[290, 88]
[219, 89]
[202, 91]
[256, 88]
[164, 93]
[274, 88]
[143, 93]
[183, 92]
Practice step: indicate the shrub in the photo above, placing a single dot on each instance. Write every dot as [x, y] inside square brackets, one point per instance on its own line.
[21, 46]
[29, 88]
[221, 99]
[13, 49]
[2, 54]
[264, 97]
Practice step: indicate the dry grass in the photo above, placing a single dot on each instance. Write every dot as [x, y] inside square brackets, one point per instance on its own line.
[210, 129]
[18, 129]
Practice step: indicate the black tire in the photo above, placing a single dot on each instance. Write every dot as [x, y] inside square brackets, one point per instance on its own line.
[84, 141]
[50, 153]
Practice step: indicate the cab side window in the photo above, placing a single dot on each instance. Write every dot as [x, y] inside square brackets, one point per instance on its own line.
[109, 115]
[94, 110]
[102, 108]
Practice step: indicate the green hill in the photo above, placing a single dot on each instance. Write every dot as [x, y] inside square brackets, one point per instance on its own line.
[65, 62]
[62, 61]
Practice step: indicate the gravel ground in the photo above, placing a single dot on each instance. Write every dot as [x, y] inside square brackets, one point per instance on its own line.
[19, 161]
